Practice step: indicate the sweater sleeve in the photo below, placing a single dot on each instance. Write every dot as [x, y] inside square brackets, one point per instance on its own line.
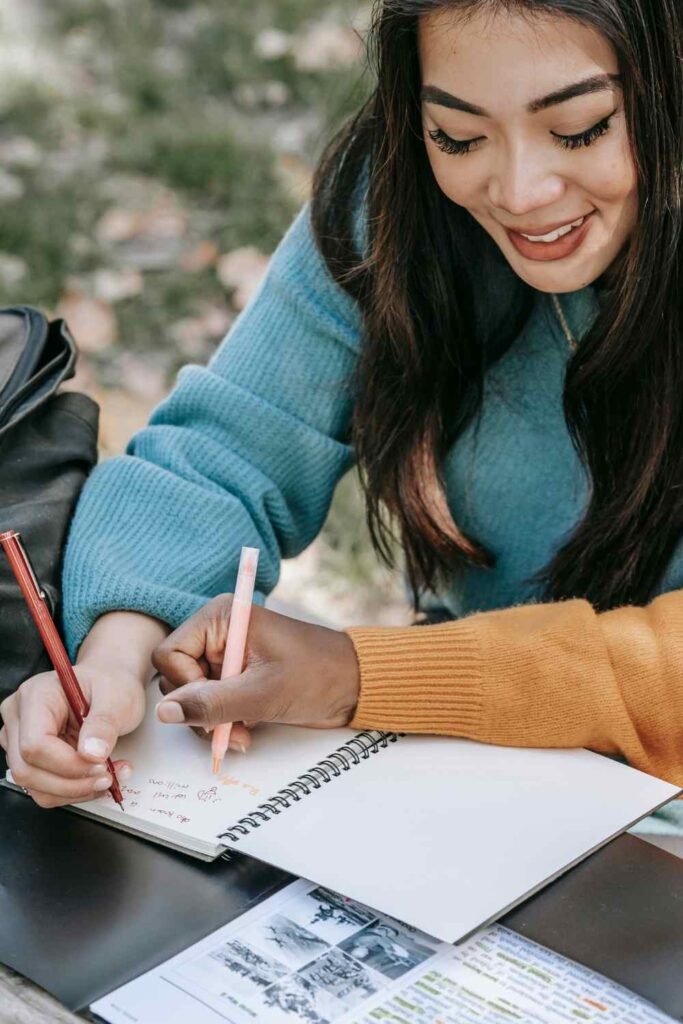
[246, 450]
[540, 675]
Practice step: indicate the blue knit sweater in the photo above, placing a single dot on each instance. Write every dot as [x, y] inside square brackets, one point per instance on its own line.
[249, 449]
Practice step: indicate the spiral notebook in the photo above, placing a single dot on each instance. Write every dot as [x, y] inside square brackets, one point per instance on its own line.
[444, 834]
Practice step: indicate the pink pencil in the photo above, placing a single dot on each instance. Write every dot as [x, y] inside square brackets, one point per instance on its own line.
[236, 644]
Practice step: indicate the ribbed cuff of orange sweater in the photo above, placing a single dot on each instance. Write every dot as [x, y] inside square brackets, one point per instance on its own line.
[533, 675]
[419, 679]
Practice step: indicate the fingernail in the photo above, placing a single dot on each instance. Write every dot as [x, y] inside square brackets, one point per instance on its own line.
[98, 769]
[124, 773]
[94, 747]
[170, 712]
[240, 747]
[102, 784]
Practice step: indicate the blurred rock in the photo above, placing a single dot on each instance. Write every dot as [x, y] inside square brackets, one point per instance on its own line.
[118, 225]
[189, 338]
[150, 254]
[140, 377]
[291, 135]
[147, 238]
[77, 155]
[171, 59]
[195, 337]
[216, 321]
[271, 43]
[82, 246]
[164, 221]
[262, 94]
[20, 151]
[242, 271]
[135, 192]
[13, 270]
[92, 321]
[11, 187]
[115, 285]
[275, 93]
[326, 45]
[200, 257]
[28, 56]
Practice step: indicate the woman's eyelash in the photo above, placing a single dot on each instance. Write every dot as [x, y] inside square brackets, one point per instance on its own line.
[584, 138]
[449, 145]
[460, 147]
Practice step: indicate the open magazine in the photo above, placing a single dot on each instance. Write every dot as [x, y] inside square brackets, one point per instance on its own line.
[310, 955]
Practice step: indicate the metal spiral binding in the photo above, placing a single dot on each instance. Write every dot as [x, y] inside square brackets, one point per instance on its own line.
[343, 759]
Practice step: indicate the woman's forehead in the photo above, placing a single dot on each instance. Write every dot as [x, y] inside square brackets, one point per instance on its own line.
[507, 60]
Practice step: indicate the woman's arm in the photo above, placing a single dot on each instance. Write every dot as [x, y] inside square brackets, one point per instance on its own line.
[544, 675]
[246, 450]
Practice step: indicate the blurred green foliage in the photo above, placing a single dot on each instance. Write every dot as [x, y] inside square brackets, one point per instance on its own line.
[163, 94]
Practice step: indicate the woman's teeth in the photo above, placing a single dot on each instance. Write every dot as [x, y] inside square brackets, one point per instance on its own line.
[554, 235]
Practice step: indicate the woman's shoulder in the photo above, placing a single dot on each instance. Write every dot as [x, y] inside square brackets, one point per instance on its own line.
[299, 275]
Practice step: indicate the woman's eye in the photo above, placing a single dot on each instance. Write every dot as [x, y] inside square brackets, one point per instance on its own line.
[461, 146]
[584, 138]
[449, 145]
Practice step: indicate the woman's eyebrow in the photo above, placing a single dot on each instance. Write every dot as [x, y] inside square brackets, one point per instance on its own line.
[432, 94]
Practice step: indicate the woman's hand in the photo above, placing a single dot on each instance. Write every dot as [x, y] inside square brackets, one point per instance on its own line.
[49, 756]
[295, 673]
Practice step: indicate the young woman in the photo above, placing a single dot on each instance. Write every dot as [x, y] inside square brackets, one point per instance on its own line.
[481, 307]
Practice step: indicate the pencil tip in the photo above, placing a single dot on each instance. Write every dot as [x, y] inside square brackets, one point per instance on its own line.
[217, 765]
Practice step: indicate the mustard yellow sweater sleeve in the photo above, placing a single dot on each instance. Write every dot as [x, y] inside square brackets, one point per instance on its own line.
[544, 675]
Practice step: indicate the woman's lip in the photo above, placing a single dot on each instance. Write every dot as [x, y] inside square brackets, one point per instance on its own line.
[538, 232]
[542, 251]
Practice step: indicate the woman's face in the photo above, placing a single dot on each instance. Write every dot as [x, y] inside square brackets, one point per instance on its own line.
[532, 153]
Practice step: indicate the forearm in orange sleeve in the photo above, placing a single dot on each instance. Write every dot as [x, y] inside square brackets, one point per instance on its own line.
[539, 675]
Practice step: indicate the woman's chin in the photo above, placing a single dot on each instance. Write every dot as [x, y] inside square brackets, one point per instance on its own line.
[560, 276]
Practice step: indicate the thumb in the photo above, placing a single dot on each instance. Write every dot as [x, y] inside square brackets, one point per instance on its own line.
[108, 718]
[252, 696]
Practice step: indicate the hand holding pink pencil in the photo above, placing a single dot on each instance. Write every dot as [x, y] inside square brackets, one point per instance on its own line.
[236, 643]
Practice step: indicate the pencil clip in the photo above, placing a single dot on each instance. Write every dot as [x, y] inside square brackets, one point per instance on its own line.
[15, 538]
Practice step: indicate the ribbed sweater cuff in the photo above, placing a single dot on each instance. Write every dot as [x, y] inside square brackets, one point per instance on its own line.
[421, 679]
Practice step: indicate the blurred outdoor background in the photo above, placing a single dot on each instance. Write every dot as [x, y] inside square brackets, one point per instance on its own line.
[152, 154]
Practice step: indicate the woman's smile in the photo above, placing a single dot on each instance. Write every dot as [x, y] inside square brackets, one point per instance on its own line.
[555, 244]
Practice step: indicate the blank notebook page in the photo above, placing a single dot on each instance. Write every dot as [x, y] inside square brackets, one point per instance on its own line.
[447, 834]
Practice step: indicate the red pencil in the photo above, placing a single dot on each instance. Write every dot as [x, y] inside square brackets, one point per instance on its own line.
[37, 605]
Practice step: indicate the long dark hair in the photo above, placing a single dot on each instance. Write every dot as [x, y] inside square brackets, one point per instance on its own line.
[424, 353]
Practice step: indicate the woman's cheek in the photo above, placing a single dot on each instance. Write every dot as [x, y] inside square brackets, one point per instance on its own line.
[453, 180]
[611, 186]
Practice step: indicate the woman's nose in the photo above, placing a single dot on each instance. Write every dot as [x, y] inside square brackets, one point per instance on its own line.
[524, 182]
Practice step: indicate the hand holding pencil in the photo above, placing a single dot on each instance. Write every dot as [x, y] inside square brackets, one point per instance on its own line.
[294, 672]
[31, 747]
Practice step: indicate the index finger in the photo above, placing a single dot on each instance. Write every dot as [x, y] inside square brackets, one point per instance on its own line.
[195, 649]
[42, 717]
